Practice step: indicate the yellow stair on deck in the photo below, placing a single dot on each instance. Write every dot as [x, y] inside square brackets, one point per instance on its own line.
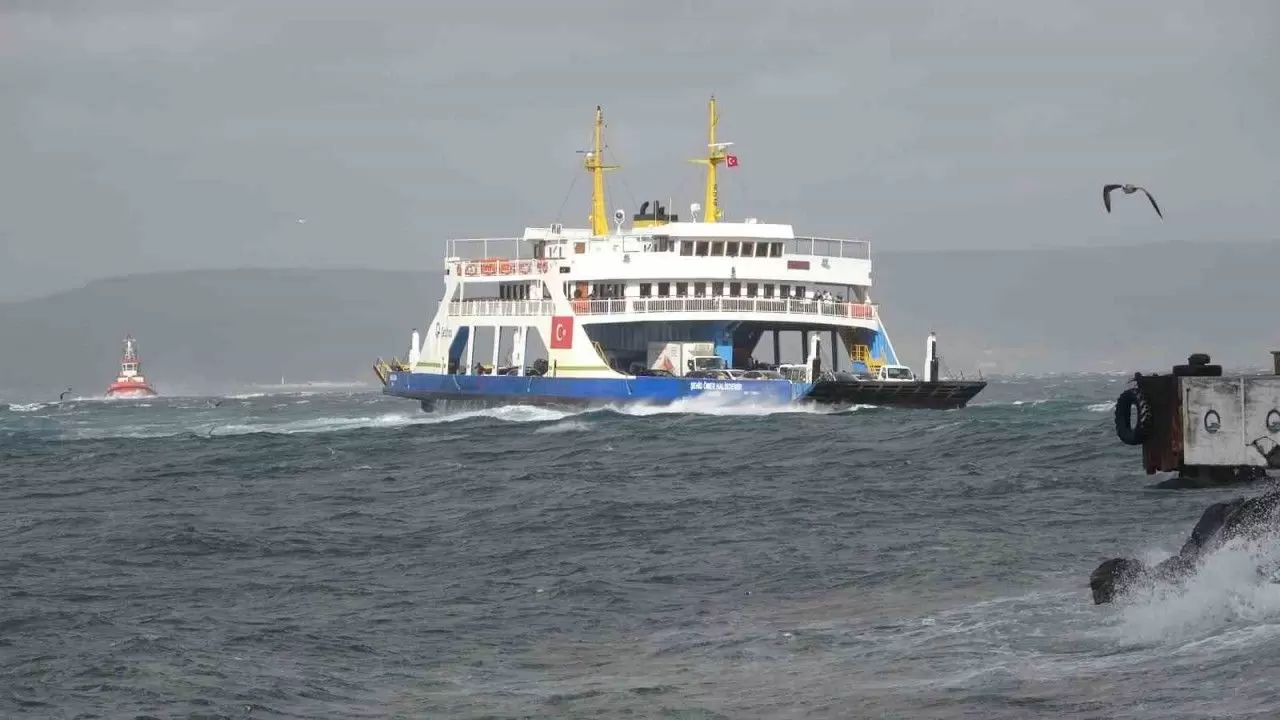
[861, 353]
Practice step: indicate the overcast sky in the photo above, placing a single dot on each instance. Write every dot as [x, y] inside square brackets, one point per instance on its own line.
[147, 136]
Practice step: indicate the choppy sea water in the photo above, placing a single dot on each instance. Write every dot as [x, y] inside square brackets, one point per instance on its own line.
[348, 556]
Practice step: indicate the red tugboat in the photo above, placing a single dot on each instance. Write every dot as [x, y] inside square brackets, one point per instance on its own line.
[130, 383]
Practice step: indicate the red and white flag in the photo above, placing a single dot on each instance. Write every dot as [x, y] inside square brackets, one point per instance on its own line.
[731, 160]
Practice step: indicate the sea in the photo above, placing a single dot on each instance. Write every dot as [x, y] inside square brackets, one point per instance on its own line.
[341, 554]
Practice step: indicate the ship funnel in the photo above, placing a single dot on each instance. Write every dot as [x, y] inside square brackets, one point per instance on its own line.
[931, 358]
[651, 217]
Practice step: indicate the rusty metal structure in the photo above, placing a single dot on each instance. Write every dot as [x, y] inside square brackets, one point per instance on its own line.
[1209, 428]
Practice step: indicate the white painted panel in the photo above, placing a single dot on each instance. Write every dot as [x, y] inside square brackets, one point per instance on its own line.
[1262, 414]
[1213, 422]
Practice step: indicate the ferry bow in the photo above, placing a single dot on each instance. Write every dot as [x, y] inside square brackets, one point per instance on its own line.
[661, 309]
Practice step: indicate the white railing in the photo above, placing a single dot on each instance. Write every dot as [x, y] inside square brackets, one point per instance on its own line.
[475, 249]
[509, 248]
[510, 308]
[649, 306]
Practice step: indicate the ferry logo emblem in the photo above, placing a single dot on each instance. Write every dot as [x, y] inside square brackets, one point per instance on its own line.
[561, 332]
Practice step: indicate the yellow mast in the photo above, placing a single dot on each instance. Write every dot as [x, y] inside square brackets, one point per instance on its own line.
[715, 155]
[594, 165]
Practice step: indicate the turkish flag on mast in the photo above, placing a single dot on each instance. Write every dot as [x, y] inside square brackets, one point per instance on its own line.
[731, 160]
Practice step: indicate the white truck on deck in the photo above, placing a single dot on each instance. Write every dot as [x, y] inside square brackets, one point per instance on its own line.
[895, 373]
[679, 358]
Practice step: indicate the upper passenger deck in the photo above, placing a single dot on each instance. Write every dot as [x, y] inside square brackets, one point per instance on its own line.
[677, 250]
[684, 239]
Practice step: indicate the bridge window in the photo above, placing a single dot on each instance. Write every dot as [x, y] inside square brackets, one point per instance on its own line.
[731, 249]
[646, 289]
[700, 289]
[662, 243]
[717, 248]
[717, 289]
[784, 291]
[735, 289]
[762, 249]
[664, 289]
[799, 292]
[682, 289]
[748, 249]
[768, 290]
[686, 247]
[751, 289]
[701, 250]
[775, 249]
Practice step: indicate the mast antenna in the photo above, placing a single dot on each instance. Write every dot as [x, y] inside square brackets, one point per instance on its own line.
[715, 155]
[594, 164]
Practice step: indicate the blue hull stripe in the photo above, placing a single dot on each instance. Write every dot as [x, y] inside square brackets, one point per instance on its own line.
[653, 390]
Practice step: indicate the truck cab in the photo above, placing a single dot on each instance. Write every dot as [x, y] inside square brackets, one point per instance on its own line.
[682, 358]
[895, 373]
[794, 372]
[705, 363]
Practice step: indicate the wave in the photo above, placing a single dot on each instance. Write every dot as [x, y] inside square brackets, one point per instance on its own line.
[27, 407]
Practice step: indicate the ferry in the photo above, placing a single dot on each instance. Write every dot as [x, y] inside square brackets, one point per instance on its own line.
[130, 383]
[660, 309]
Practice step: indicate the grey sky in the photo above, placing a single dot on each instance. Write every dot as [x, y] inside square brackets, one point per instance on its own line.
[167, 135]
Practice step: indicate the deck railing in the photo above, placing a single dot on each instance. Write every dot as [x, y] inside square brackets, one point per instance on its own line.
[514, 249]
[650, 306]
[512, 308]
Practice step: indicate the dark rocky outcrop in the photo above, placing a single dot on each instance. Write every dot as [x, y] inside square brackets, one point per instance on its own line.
[1220, 523]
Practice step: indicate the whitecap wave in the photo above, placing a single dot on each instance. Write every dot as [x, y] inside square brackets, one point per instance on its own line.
[707, 405]
[1226, 591]
[27, 407]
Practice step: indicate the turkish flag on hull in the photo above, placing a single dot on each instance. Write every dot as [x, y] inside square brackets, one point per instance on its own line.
[561, 332]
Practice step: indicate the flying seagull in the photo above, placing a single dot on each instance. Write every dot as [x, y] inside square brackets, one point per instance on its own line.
[1128, 189]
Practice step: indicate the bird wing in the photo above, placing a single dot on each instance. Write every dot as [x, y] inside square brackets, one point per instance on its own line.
[1106, 195]
[1153, 202]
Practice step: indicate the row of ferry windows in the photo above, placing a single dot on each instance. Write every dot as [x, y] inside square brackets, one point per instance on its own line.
[766, 290]
[730, 248]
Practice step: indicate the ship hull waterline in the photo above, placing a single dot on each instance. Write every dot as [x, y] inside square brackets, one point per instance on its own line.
[494, 390]
[130, 391]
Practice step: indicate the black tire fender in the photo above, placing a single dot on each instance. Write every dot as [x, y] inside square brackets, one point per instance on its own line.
[1129, 401]
[1197, 370]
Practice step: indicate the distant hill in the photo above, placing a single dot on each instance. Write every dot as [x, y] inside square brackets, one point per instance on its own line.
[212, 331]
[1105, 309]
[1003, 311]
